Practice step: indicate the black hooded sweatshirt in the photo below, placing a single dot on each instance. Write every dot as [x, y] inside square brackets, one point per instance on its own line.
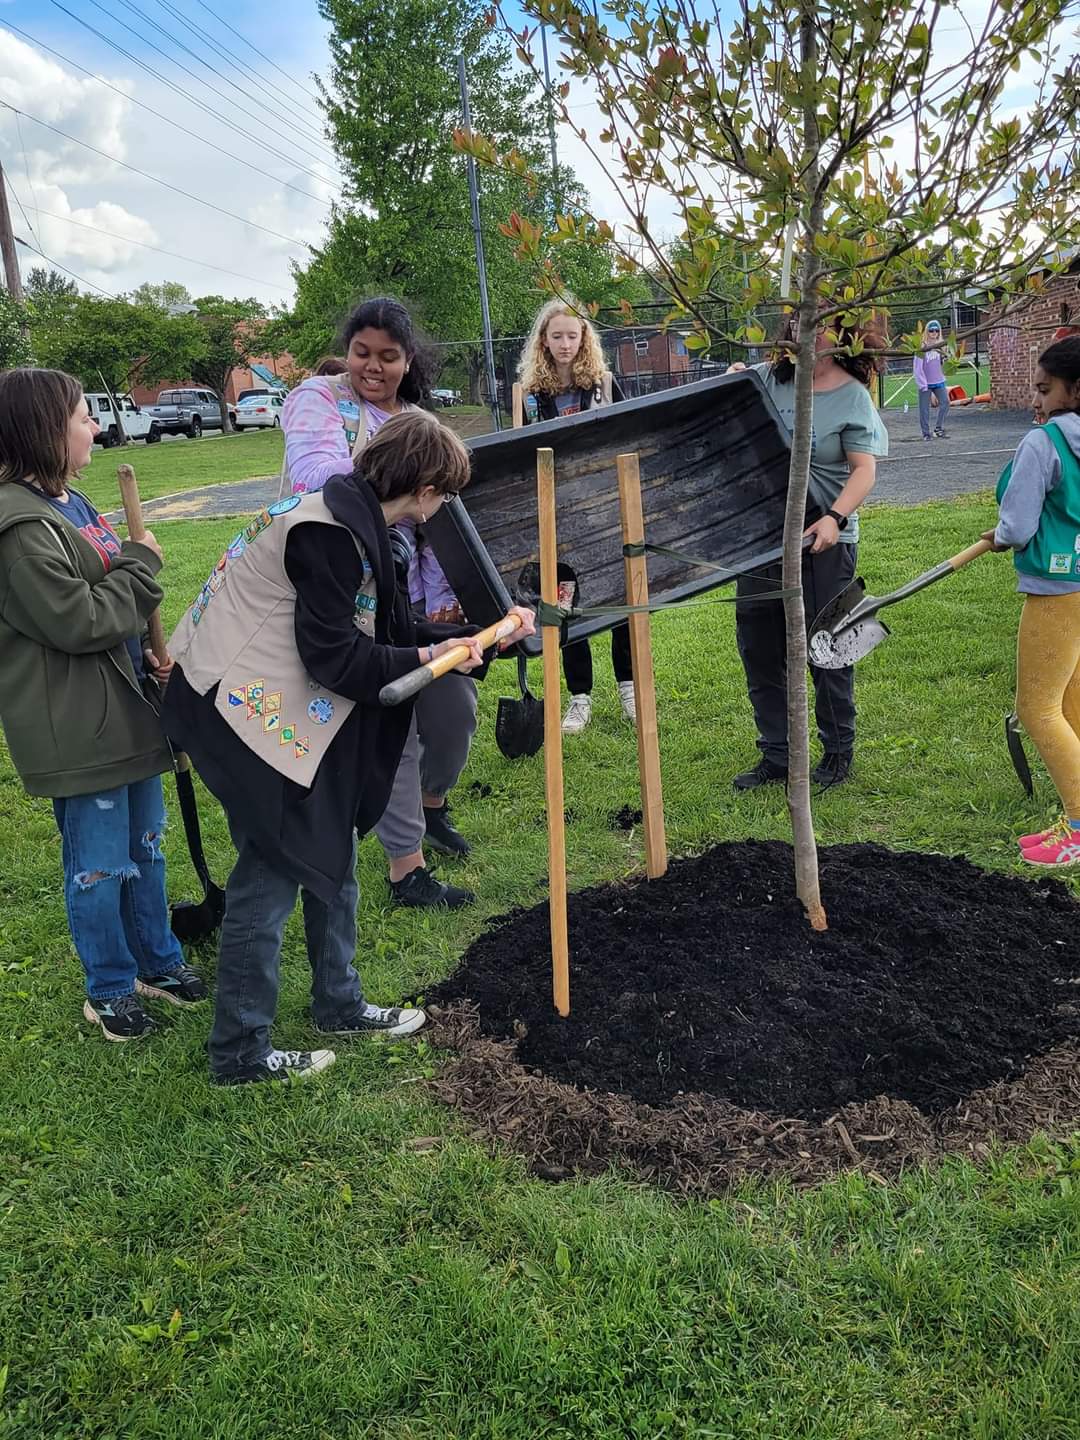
[307, 834]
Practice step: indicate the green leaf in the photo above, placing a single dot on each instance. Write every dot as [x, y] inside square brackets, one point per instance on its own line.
[562, 1259]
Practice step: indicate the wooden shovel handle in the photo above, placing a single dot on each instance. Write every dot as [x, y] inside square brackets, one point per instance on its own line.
[405, 686]
[129, 494]
[965, 557]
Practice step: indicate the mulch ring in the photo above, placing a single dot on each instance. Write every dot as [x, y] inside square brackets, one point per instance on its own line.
[714, 1037]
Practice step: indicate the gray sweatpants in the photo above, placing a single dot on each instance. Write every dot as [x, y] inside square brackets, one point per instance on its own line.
[444, 722]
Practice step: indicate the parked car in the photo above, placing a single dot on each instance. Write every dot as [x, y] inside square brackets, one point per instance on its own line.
[259, 411]
[137, 424]
[260, 390]
[446, 397]
[186, 412]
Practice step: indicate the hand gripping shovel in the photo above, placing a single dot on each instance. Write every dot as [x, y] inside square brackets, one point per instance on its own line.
[847, 629]
[190, 922]
[406, 686]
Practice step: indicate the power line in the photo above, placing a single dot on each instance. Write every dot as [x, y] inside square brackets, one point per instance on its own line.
[276, 115]
[290, 239]
[289, 100]
[57, 266]
[254, 47]
[186, 95]
[127, 240]
[175, 124]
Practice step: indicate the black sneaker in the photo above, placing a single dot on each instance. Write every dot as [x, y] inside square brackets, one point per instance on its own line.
[120, 1019]
[763, 773]
[441, 833]
[420, 888]
[280, 1065]
[833, 769]
[179, 987]
[392, 1021]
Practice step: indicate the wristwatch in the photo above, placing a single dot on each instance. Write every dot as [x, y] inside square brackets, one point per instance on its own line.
[841, 520]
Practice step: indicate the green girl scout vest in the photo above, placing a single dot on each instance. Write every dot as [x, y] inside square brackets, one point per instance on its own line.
[240, 636]
[1053, 552]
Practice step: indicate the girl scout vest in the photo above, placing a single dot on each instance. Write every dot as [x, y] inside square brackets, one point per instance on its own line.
[1053, 552]
[239, 636]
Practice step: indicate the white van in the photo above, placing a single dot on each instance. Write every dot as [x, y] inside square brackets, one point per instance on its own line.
[137, 425]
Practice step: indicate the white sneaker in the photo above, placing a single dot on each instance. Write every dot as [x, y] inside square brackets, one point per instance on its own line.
[578, 714]
[626, 700]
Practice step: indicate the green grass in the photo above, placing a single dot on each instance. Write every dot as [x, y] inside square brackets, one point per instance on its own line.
[179, 1262]
[183, 464]
[901, 388]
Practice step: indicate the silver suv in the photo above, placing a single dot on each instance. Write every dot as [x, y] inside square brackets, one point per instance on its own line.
[186, 412]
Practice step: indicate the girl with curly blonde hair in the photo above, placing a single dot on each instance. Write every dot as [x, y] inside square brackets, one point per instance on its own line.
[563, 372]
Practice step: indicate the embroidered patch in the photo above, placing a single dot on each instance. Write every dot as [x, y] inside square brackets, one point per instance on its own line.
[255, 707]
[282, 507]
[255, 527]
[238, 697]
[366, 602]
[287, 735]
[256, 689]
[237, 547]
[272, 702]
[1061, 564]
[301, 747]
[321, 710]
[216, 581]
[271, 722]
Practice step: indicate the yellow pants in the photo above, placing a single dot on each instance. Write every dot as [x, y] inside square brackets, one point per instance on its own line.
[1048, 688]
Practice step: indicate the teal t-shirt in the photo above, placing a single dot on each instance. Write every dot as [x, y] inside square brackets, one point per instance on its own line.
[846, 421]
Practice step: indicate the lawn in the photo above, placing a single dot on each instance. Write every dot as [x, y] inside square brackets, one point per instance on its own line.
[183, 464]
[900, 389]
[341, 1260]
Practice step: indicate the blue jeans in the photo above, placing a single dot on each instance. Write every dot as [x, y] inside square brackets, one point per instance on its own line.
[114, 886]
[942, 393]
[258, 901]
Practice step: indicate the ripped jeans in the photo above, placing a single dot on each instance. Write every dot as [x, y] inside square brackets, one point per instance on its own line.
[114, 886]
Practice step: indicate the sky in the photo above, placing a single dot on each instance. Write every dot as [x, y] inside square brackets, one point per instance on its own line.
[231, 123]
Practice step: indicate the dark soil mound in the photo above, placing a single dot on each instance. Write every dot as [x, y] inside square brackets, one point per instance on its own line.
[935, 979]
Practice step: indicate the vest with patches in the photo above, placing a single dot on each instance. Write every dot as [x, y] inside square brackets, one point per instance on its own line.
[240, 636]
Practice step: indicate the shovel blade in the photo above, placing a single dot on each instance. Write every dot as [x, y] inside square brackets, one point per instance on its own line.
[833, 615]
[833, 650]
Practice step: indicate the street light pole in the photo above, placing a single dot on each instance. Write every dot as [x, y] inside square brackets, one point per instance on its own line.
[474, 201]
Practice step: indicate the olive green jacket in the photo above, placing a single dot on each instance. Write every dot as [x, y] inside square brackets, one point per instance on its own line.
[73, 714]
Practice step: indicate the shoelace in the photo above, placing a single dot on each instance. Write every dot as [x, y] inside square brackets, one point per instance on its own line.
[383, 1016]
[1061, 832]
[278, 1058]
[125, 1005]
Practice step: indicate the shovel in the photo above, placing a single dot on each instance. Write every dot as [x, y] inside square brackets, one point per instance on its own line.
[1016, 754]
[847, 629]
[519, 724]
[191, 922]
[406, 686]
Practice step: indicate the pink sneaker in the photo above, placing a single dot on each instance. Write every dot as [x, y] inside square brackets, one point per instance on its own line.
[1028, 842]
[1060, 847]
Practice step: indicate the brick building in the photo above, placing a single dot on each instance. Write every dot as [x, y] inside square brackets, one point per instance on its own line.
[243, 378]
[1016, 345]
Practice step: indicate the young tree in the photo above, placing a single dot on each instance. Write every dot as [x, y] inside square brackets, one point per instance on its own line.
[768, 133]
[221, 337]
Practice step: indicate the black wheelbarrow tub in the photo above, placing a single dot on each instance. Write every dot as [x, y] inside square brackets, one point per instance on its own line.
[714, 459]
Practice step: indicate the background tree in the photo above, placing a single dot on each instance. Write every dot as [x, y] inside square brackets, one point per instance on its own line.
[101, 340]
[768, 134]
[405, 224]
[223, 336]
[15, 347]
[165, 294]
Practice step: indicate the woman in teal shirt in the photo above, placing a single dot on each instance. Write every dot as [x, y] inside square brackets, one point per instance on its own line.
[848, 438]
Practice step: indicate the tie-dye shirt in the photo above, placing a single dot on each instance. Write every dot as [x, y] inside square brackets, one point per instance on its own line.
[320, 424]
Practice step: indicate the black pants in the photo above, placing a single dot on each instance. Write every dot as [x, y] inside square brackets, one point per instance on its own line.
[762, 639]
[577, 661]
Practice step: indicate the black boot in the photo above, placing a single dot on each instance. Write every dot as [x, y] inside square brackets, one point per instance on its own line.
[420, 889]
[833, 769]
[441, 833]
[765, 772]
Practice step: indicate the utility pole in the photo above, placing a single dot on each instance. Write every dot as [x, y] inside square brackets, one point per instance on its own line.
[7, 244]
[474, 200]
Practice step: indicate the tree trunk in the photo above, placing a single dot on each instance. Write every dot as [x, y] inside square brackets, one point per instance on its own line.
[807, 879]
[223, 406]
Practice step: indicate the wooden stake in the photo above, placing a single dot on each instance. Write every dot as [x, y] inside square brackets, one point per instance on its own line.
[136, 525]
[553, 766]
[648, 739]
[517, 405]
